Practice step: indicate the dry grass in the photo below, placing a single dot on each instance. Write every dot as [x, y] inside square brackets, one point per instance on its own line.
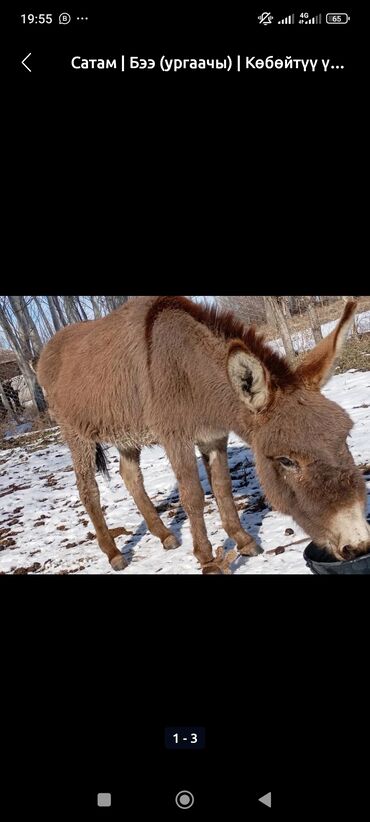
[45, 436]
[355, 354]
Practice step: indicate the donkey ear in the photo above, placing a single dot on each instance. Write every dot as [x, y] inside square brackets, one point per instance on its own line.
[318, 365]
[249, 379]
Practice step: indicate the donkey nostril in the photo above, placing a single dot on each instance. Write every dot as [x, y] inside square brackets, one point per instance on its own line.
[347, 552]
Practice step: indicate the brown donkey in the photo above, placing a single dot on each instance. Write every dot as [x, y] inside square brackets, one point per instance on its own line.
[165, 370]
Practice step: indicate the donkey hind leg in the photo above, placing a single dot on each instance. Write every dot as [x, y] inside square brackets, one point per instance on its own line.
[205, 458]
[215, 454]
[184, 464]
[83, 455]
[131, 474]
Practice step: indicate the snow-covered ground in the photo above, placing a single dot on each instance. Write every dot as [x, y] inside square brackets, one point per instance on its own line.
[304, 340]
[44, 528]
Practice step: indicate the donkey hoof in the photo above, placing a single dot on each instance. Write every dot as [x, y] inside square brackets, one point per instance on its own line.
[211, 568]
[249, 549]
[170, 542]
[118, 562]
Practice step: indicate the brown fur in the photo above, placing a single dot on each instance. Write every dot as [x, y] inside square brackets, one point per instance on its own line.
[165, 370]
[224, 324]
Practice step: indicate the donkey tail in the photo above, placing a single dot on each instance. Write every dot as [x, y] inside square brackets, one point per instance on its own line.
[101, 460]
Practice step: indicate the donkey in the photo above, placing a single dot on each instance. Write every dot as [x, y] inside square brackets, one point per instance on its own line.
[164, 370]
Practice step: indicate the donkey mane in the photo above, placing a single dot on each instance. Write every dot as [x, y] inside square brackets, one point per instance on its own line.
[224, 324]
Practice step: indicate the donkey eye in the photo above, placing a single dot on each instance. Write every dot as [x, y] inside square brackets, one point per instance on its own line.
[287, 462]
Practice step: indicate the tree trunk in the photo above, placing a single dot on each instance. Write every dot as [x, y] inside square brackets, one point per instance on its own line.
[314, 321]
[59, 310]
[282, 327]
[21, 324]
[283, 302]
[81, 308]
[44, 317]
[36, 340]
[96, 308]
[54, 314]
[270, 313]
[109, 301]
[71, 309]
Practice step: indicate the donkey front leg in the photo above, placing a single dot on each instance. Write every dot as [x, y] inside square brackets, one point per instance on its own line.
[131, 474]
[83, 455]
[184, 464]
[215, 457]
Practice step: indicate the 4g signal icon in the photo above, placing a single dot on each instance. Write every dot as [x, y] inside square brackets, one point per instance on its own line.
[307, 20]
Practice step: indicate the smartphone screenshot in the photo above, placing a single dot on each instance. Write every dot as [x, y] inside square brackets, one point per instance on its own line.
[184, 480]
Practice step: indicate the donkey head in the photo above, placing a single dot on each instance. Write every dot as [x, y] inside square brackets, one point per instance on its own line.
[300, 442]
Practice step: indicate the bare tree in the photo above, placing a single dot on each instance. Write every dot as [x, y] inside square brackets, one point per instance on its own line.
[270, 314]
[54, 314]
[71, 308]
[96, 307]
[59, 309]
[14, 326]
[43, 315]
[282, 326]
[26, 323]
[285, 307]
[314, 319]
[20, 321]
[81, 308]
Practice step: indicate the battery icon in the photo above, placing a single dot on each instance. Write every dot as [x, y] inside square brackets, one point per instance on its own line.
[337, 19]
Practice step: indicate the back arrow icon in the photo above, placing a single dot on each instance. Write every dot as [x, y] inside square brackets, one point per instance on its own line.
[24, 61]
[266, 799]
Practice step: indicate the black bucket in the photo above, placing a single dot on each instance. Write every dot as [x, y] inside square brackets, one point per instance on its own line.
[320, 562]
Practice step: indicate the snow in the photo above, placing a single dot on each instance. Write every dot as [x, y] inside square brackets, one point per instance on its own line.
[43, 518]
[22, 428]
[304, 340]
